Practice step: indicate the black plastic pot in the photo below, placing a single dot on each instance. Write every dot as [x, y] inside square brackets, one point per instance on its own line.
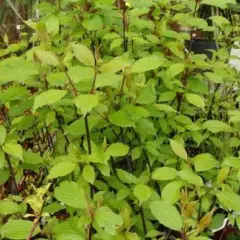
[202, 46]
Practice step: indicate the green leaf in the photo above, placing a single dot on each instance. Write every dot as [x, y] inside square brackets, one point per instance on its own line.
[81, 74]
[216, 126]
[204, 162]
[195, 100]
[178, 149]
[8, 207]
[146, 64]
[167, 96]
[142, 192]
[92, 24]
[86, 102]
[13, 149]
[136, 153]
[61, 169]
[47, 57]
[136, 112]
[164, 108]
[171, 192]
[89, 173]
[153, 233]
[147, 95]
[114, 65]
[84, 55]
[220, 21]
[48, 98]
[57, 79]
[71, 194]
[217, 221]
[53, 207]
[218, 3]
[118, 150]
[52, 25]
[18, 229]
[232, 162]
[23, 70]
[77, 128]
[214, 77]
[4, 176]
[197, 22]
[229, 200]
[164, 174]
[32, 158]
[175, 69]
[122, 118]
[116, 43]
[166, 214]
[191, 177]
[108, 79]
[3, 134]
[126, 177]
[108, 220]
[176, 48]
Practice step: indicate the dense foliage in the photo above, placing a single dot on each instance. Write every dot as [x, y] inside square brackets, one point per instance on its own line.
[111, 128]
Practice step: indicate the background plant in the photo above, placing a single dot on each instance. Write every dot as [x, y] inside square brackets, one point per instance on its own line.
[112, 129]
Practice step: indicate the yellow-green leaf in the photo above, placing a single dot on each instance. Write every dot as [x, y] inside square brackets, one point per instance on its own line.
[178, 149]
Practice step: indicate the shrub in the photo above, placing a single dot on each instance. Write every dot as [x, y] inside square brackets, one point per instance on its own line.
[112, 129]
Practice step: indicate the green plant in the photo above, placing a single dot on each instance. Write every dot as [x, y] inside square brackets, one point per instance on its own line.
[112, 130]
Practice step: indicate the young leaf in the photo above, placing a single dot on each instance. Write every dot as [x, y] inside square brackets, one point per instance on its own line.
[13, 149]
[61, 169]
[118, 150]
[18, 229]
[164, 174]
[108, 220]
[178, 149]
[89, 173]
[195, 100]
[142, 192]
[48, 98]
[71, 194]
[146, 64]
[216, 126]
[47, 57]
[84, 54]
[86, 102]
[166, 214]
[3, 133]
[204, 162]
[205, 221]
